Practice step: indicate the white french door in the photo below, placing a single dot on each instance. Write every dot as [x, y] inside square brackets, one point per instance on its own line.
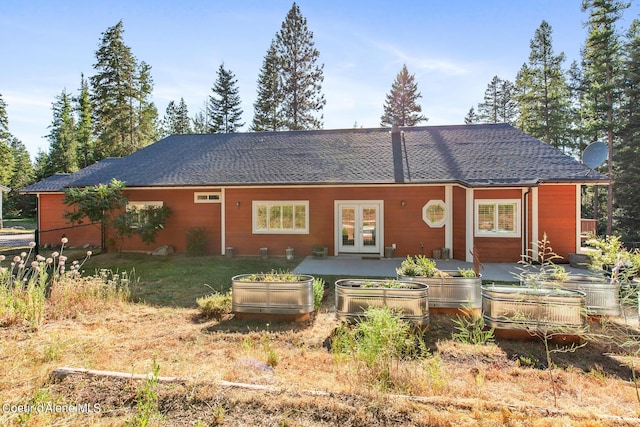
[359, 227]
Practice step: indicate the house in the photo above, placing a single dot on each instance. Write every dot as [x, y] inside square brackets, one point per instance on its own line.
[490, 187]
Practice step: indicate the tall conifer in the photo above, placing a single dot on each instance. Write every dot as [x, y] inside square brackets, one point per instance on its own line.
[224, 105]
[267, 112]
[401, 106]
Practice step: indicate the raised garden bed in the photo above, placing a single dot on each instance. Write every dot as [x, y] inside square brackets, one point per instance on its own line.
[602, 298]
[286, 296]
[355, 296]
[534, 310]
[451, 290]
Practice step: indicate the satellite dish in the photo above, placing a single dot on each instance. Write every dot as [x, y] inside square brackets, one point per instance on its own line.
[595, 154]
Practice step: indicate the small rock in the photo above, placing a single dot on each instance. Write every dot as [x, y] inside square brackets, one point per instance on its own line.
[163, 251]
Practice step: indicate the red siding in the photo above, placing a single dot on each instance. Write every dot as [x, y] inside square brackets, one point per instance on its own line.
[54, 227]
[557, 218]
[403, 225]
[459, 223]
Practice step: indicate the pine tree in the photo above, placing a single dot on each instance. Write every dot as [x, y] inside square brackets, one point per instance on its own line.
[300, 76]
[507, 105]
[627, 154]
[471, 118]
[124, 118]
[401, 107]
[176, 119]
[489, 109]
[267, 113]
[6, 159]
[224, 104]
[544, 102]
[62, 137]
[20, 204]
[200, 122]
[84, 127]
[601, 71]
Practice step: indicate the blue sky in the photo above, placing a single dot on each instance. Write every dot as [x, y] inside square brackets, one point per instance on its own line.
[454, 48]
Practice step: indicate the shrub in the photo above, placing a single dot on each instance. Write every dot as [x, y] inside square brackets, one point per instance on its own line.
[470, 328]
[376, 344]
[418, 266]
[318, 293]
[215, 305]
[196, 241]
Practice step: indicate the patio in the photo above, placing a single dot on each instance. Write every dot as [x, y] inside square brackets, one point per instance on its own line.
[358, 266]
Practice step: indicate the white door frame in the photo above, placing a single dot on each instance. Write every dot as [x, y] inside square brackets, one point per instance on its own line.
[359, 204]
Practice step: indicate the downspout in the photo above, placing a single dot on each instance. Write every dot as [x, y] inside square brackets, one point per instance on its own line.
[525, 222]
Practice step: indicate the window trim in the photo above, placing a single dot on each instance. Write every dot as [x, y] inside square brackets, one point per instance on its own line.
[217, 194]
[425, 218]
[140, 205]
[272, 203]
[495, 203]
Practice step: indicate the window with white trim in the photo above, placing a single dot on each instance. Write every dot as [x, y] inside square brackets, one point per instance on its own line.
[136, 212]
[434, 213]
[497, 218]
[286, 217]
[201, 197]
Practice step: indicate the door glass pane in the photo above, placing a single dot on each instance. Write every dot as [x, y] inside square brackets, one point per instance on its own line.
[368, 226]
[348, 226]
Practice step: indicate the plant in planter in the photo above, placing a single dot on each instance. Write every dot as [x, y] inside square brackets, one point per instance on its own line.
[275, 293]
[447, 289]
[601, 294]
[319, 251]
[355, 296]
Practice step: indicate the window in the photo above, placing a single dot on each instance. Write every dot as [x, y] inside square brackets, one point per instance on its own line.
[281, 217]
[434, 213]
[136, 212]
[497, 218]
[206, 197]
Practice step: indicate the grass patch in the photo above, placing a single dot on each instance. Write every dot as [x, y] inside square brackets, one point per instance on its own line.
[28, 224]
[179, 280]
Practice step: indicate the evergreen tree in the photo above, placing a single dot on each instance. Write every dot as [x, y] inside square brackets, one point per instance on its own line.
[200, 122]
[267, 113]
[41, 166]
[224, 104]
[507, 105]
[545, 93]
[602, 70]
[6, 159]
[124, 118]
[300, 76]
[84, 128]
[62, 137]
[489, 109]
[20, 204]
[401, 107]
[176, 119]
[471, 118]
[627, 154]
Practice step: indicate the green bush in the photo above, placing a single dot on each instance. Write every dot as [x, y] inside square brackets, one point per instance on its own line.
[215, 305]
[318, 293]
[376, 344]
[470, 328]
[196, 241]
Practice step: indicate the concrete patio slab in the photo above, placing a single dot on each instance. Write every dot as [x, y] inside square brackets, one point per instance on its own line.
[386, 267]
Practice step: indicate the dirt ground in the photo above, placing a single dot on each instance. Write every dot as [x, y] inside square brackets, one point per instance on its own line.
[241, 373]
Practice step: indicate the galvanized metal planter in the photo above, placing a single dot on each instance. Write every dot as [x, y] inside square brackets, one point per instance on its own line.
[354, 296]
[272, 296]
[454, 291]
[536, 310]
[602, 298]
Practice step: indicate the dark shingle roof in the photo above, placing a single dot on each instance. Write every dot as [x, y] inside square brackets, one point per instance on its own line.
[473, 155]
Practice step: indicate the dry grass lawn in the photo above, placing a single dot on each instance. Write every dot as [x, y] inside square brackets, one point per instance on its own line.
[456, 385]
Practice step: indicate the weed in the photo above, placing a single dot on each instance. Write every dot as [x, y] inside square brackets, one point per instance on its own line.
[147, 400]
[378, 343]
[470, 328]
[318, 293]
[196, 241]
[215, 305]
